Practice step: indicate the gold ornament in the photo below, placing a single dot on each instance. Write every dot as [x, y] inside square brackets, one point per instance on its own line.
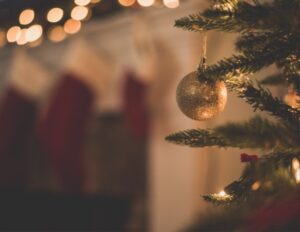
[199, 99]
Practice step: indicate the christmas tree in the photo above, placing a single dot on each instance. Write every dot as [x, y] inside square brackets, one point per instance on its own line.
[267, 195]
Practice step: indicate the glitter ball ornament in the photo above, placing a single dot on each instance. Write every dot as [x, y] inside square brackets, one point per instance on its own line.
[199, 99]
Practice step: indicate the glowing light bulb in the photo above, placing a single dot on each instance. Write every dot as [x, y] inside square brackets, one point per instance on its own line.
[146, 3]
[255, 186]
[26, 16]
[171, 3]
[72, 26]
[22, 38]
[57, 34]
[36, 43]
[55, 14]
[2, 38]
[13, 34]
[79, 12]
[33, 33]
[82, 2]
[222, 193]
[126, 2]
[295, 164]
[296, 169]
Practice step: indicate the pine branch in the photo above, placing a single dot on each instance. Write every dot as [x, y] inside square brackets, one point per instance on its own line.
[255, 133]
[291, 67]
[275, 79]
[240, 16]
[271, 175]
[250, 63]
[197, 138]
[221, 16]
[262, 99]
[265, 41]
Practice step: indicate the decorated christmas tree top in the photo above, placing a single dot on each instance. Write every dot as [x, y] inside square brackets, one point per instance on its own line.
[267, 195]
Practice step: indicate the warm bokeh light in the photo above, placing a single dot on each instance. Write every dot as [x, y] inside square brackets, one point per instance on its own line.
[82, 2]
[79, 12]
[295, 164]
[26, 16]
[72, 26]
[296, 169]
[297, 176]
[57, 34]
[55, 14]
[222, 193]
[34, 32]
[36, 43]
[255, 186]
[146, 3]
[22, 38]
[171, 3]
[95, 1]
[13, 34]
[126, 2]
[2, 38]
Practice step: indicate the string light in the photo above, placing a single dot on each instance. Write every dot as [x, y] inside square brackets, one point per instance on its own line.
[79, 12]
[297, 176]
[82, 2]
[222, 196]
[72, 26]
[171, 3]
[22, 37]
[55, 15]
[36, 43]
[13, 34]
[146, 3]
[295, 164]
[255, 186]
[57, 34]
[296, 169]
[222, 193]
[33, 33]
[126, 2]
[2, 38]
[26, 17]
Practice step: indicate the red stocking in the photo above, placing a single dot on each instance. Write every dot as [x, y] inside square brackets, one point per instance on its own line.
[62, 131]
[17, 115]
[135, 105]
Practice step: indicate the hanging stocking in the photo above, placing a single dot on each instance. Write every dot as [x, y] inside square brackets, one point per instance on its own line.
[28, 82]
[134, 106]
[62, 129]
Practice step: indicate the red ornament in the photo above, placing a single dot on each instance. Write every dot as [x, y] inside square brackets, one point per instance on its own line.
[245, 158]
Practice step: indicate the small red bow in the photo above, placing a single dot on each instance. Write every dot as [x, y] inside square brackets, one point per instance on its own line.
[245, 158]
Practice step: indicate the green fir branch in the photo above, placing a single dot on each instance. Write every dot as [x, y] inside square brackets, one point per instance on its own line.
[260, 42]
[223, 16]
[241, 16]
[262, 99]
[256, 133]
[291, 67]
[274, 79]
[247, 64]
[197, 138]
[272, 175]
